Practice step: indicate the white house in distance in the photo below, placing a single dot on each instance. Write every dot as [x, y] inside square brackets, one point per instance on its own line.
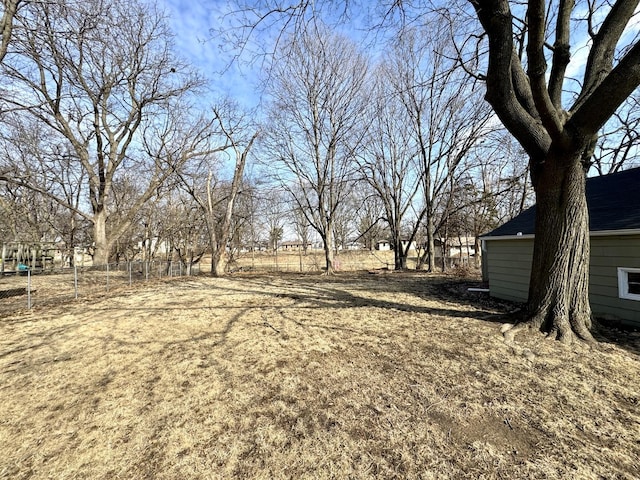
[614, 268]
[384, 245]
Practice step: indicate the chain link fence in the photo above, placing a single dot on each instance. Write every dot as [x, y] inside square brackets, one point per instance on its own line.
[314, 262]
[25, 289]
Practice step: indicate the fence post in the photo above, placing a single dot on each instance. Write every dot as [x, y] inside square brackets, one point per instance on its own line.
[75, 279]
[107, 276]
[29, 289]
[130, 268]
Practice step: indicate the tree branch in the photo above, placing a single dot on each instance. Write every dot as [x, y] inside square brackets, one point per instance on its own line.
[6, 24]
[600, 61]
[14, 180]
[561, 52]
[495, 17]
[538, 68]
[605, 99]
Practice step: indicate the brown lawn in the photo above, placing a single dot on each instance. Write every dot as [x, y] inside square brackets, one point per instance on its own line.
[305, 376]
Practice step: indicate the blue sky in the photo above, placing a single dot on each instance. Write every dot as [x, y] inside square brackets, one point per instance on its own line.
[192, 21]
[194, 24]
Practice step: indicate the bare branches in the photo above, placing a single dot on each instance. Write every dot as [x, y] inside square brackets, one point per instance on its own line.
[100, 76]
[496, 19]
[316, 124]
[602, 102]
[532, 110]
[619, 143]
[601, 55]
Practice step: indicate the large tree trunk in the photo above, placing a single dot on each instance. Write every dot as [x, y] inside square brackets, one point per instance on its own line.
[399, 254]
[431, 244]
[559, 285]
[217, 263]
[428, 258]
[102, 247]
[217, 252]
[401, 259]
[328, 252]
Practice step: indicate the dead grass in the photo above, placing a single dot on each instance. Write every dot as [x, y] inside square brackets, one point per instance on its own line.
[292, 376]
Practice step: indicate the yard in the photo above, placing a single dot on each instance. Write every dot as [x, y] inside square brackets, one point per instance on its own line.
[308, 376]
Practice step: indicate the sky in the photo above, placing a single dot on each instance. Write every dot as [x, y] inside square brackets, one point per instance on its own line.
[192, 23]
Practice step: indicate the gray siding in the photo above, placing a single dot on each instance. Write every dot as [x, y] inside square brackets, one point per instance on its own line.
[607, 254]
[509, 266]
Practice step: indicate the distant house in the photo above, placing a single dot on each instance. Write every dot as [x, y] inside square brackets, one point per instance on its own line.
[614, 280]
[383, 245]
[352, 245]
[295, 245]
[460, 249]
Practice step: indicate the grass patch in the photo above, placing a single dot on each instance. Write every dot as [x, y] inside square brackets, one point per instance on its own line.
[308, 376]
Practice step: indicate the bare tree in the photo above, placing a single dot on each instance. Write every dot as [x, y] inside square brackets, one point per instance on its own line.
[387, 161]
[492, 190]
[344, 227]
[302, 228]
[102, 77]
[30, 157]
[316, 113]
[214, 195]
[445, 113]
[369, 212]
[185, 230]
[274, 208]
[528, 97]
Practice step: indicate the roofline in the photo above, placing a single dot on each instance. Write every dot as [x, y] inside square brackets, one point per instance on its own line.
[509, 237]
[606, 233]
[599, 233]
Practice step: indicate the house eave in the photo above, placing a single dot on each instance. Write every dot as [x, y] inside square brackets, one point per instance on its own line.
[599, 233]
[509, 237]
[609, 233]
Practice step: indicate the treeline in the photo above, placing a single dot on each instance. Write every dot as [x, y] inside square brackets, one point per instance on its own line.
[110, 140]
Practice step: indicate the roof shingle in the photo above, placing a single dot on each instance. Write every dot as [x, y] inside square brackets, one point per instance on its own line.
[613, 201]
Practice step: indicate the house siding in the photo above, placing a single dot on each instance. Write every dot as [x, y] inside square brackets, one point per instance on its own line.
[509, 266]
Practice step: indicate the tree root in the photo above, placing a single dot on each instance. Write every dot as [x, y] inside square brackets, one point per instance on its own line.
[565, 332]
[509, 332]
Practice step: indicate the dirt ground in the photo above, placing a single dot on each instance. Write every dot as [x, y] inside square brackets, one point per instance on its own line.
[306, 376]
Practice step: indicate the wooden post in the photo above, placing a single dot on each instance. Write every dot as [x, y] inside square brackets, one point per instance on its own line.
[29, 289]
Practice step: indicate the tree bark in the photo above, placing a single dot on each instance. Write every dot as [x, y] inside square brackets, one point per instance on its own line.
[431, 245]
[328, 252]
[217, 263]
[559, 141]
[399, 253]
[102, 246]
[559, 286]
